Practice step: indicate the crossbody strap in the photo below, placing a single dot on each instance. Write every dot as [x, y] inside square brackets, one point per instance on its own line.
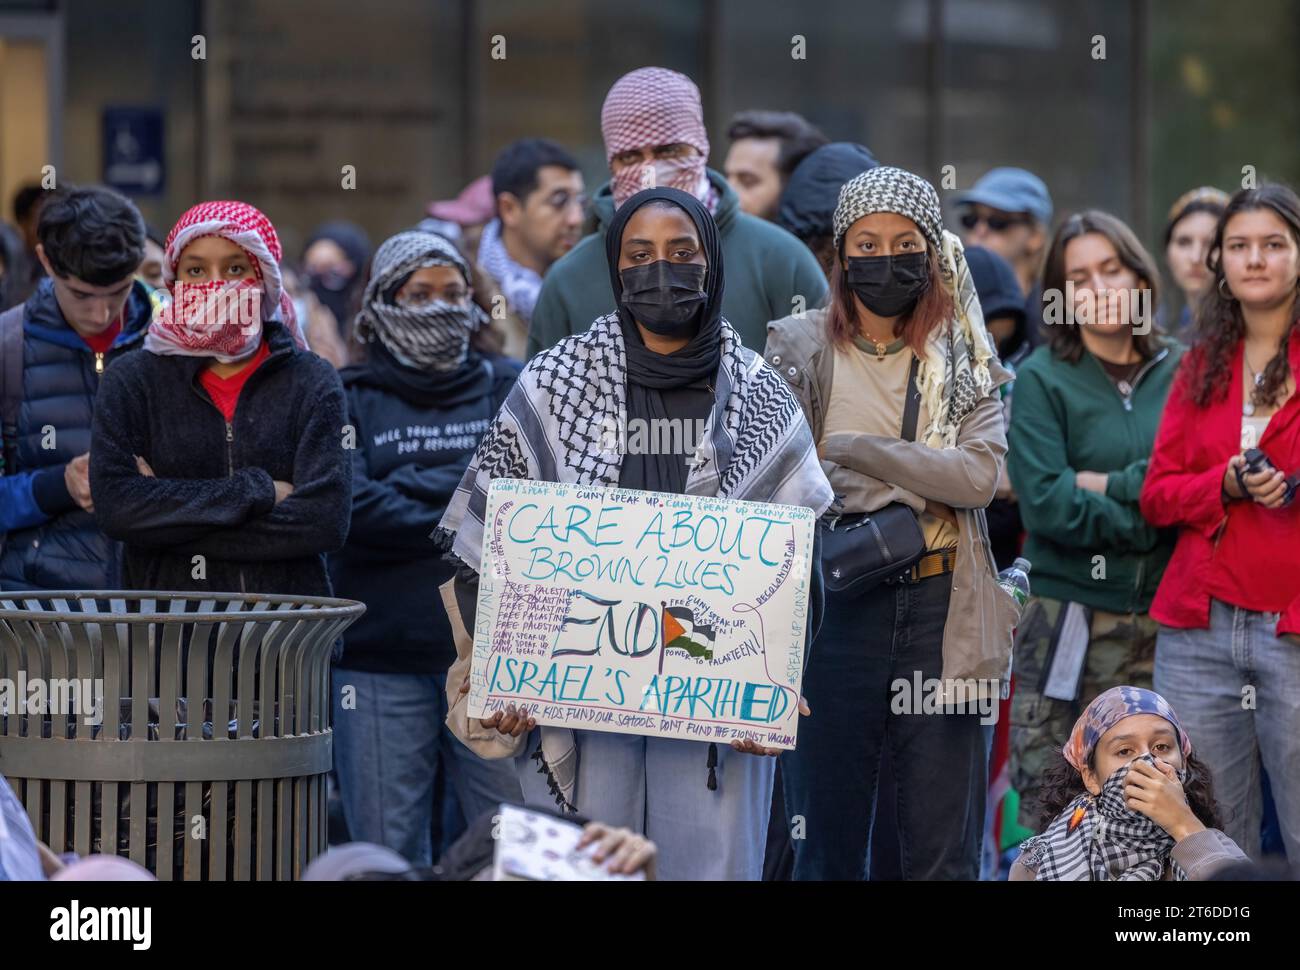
[912, 403]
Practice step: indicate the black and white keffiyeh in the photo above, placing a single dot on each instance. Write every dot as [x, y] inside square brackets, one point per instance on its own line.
[431, 337]
[561, 423]
[1101, 839]
[520, 284]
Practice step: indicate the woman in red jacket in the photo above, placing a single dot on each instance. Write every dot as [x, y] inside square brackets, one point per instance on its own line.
[1228, 650]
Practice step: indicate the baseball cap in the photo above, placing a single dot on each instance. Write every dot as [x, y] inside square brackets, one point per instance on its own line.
[1011, 190]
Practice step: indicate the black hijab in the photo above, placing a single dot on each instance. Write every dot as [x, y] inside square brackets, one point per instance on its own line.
[674, 386]
[698, 359]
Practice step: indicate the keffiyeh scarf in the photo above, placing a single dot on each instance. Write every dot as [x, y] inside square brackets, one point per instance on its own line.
[222, 319]
[655, 106]
[431, 337]
[954, 372]
[1103, 840]
[519, 284]
[560, 422]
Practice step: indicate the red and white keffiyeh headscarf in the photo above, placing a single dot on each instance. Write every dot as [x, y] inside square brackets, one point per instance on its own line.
[655, 106]
[222, 318]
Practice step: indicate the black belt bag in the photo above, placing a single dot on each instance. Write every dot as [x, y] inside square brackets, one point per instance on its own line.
[862, 550]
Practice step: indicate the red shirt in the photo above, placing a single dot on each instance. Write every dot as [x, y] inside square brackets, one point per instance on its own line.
[224, 391]
[1245, 555]
[102, 341]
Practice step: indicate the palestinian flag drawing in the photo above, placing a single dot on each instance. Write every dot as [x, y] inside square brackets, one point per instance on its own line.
[680, 632]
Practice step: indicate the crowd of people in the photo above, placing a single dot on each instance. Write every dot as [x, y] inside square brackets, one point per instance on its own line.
[193, 412]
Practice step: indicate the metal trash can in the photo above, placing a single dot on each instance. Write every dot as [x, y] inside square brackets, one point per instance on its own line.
[208, 754]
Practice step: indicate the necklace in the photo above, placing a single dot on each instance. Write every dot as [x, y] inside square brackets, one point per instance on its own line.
[1123, 383]
[880, 348]
[1258, 378]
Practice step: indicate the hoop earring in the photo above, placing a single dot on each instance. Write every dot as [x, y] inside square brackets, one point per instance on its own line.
[1226, 296]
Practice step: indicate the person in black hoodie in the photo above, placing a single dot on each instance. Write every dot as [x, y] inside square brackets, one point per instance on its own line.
[808, 201]
[85, 313]
[419, 405]
[1004, 315]
[218, 455]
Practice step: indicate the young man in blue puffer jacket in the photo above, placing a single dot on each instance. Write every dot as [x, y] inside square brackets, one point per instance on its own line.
[54, 348]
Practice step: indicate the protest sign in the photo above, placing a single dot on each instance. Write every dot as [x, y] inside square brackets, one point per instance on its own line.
[642, 612]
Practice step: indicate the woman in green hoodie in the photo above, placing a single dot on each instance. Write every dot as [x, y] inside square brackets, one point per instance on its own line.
[1083, 425]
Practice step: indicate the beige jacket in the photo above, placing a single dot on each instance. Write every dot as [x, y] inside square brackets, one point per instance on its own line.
[870, 471]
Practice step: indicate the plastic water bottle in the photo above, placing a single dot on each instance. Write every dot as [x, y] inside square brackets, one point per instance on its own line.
[1015, 580]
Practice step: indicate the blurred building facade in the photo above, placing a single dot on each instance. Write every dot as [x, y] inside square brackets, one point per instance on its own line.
[1117, 104]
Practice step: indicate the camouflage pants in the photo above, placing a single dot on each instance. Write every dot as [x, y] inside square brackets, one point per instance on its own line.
[1121, 650]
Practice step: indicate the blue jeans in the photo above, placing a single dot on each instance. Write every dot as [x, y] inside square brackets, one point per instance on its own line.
[1202, 673]
[389, 748]
[939, 760]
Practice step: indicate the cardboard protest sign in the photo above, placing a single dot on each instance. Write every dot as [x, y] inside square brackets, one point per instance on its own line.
[642, 612]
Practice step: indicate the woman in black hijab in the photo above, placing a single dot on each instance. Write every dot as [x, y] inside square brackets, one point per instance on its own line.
[667, 279]
[666, 353]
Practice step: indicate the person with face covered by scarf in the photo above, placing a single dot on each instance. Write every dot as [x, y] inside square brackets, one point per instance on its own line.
[1129, 802]
[666, 351]
[220, 449]
[904, 319]
[419, 405]
[333, 261]
[653, 126]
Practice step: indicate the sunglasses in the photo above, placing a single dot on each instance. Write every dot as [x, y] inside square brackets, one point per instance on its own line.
[997, 223]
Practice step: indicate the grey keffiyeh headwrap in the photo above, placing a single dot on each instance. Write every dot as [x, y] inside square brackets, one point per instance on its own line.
[1101, 839]
[559, 424]
[431, 337]
[954, 374]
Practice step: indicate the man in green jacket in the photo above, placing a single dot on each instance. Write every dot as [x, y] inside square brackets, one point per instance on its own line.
[653, 127]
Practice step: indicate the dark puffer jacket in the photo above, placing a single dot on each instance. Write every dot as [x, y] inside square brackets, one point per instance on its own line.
[214, 494]
[65, 548]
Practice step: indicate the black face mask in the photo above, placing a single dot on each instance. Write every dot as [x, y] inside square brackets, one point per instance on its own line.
[889, 285]
[666, 298]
